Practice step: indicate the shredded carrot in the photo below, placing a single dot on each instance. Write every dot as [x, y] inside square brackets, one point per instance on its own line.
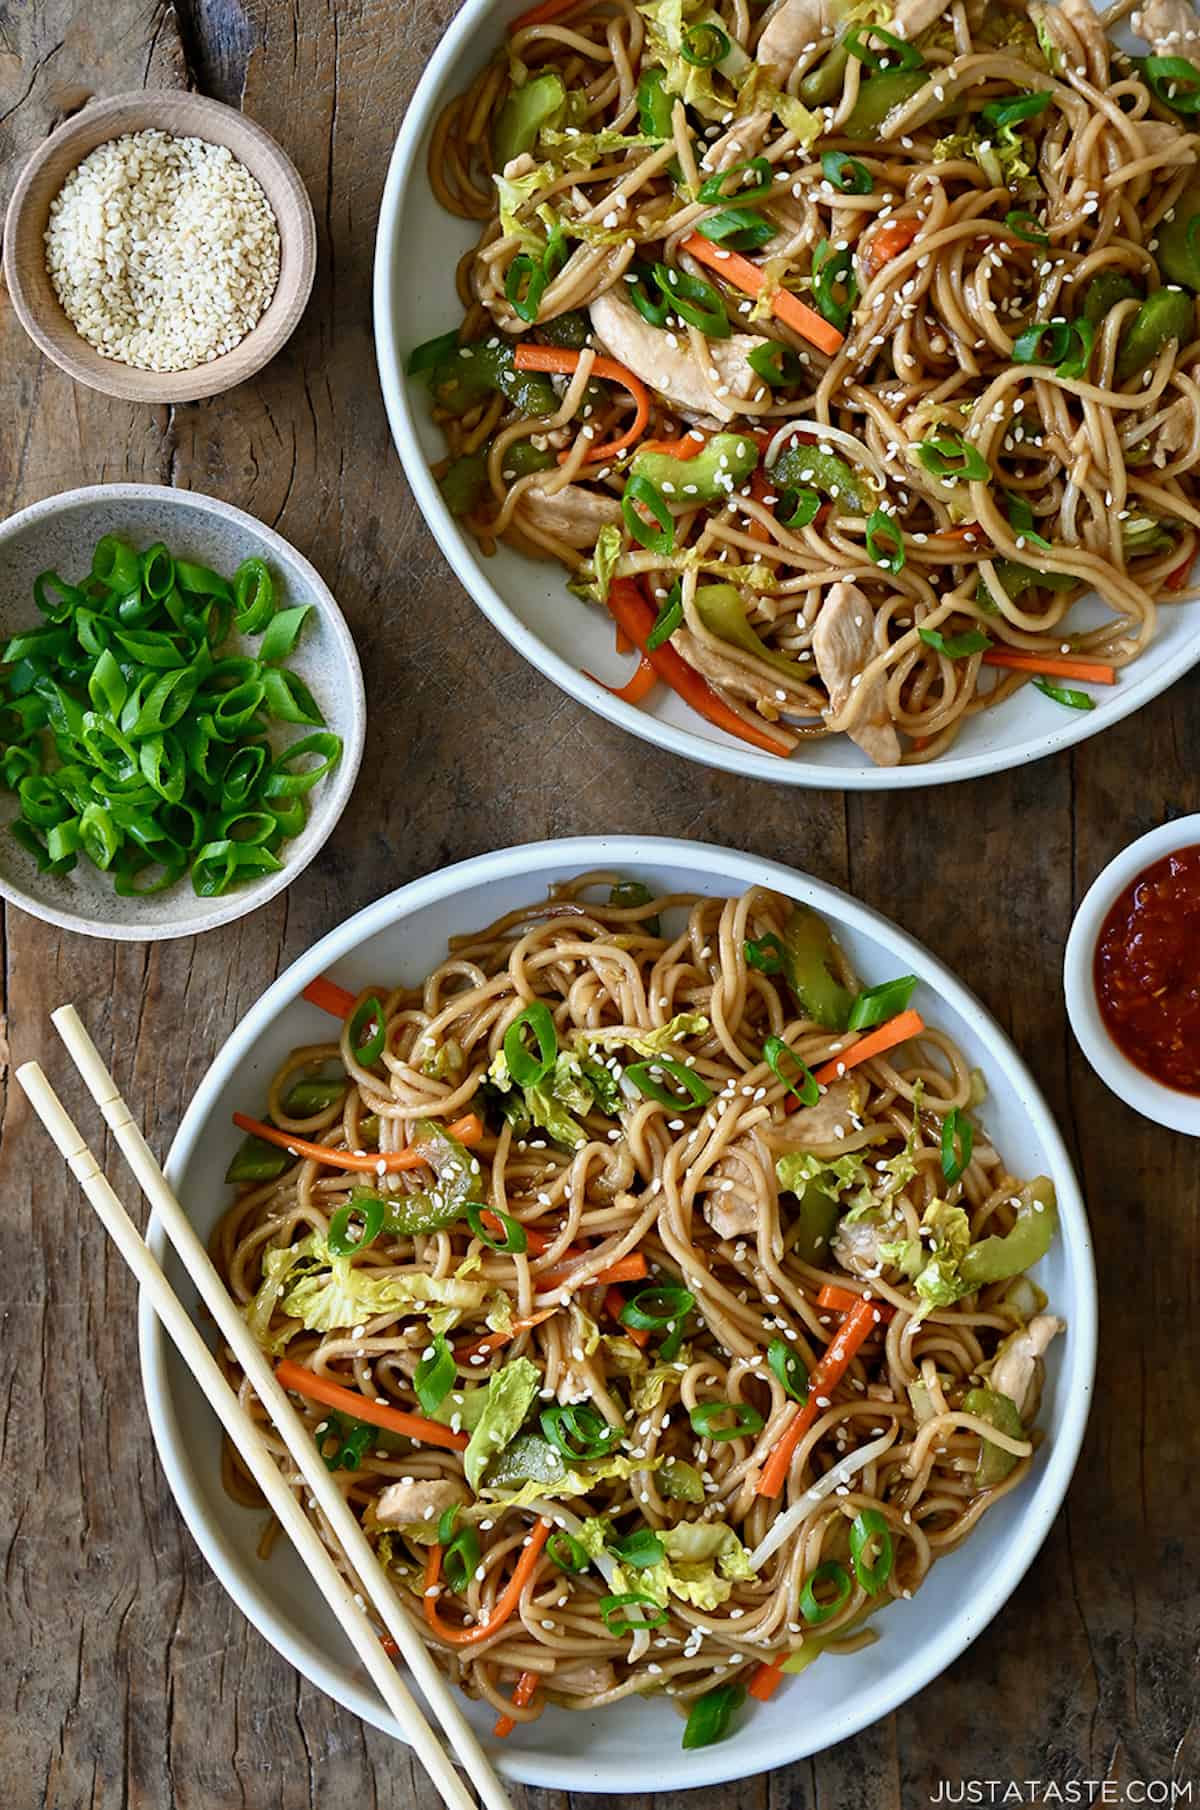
[622, 642]
[495, 1341]
[1054, 666]
[967, 531]
[614, 1301]
[749, 278]
[889, 242]
[522, 1696]
[630, 609]
[468, 1131]
[626, 1269]
[686, 448]
[858, 1325]
[634, 690]
[506, 1602]
[542, 15]
[844, 1301]
[766, 1680]
[1176, 580]
[874, 1043]
[329, 997]
[363, 1407]
[562, 361]
[760, 490]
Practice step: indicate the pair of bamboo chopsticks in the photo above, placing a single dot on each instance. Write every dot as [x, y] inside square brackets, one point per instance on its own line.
[244, 1433]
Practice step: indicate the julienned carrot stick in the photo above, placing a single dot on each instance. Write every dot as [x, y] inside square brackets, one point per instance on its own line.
[526, 1685]
[495, 1341]
[329, 997]
[542, 15]
[630, 609]
[748, 277]
[468, 1131]
[844, 1301]
[858, 1325]
[364, 1407]
[875, 1043]
[766, 1681]
[506, 1602]
[890, 241]
[634, 690]
[685, 448]
[614, 1301]
[561, 360]
[1053, 666]
[626, 1269]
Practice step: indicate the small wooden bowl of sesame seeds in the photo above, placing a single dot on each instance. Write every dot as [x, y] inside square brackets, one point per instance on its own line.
[159, 247]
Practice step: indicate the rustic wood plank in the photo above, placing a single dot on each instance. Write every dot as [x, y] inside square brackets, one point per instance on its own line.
[132, 1679]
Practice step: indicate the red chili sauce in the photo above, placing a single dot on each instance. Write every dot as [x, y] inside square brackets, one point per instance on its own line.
[1147, 971]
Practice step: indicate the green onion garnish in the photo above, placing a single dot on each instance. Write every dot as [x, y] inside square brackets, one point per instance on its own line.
[350, 1441]
[948, 456]
[713, 189]
[637, 282]
[740, 228]
[833, 272]
[710, 1419]
[801, 1082]
[797, 508]
[694, 301]
[565, 1551]
[433, 1377]
[641, 494]
[1024, 225]
[525, 1067]
[958, 1141]
[956, 647]
[668, 618]
[632, 893]
[651, 1614]
[880, 1003]
[881, 530]
[460, 1559]
[1009, 112]
[368, 1209]
[1027, 347]
[1075, 364]
[1020, 520]
[787, 1365]
[710, 1715]
[704, 46]
[812, 1608]
[903, 55]
[646, 1077]
[869, 1528]
[367, 1032]
[578, 1431]
[1066, 694]
[1175, 81]
[847, 174]
[776, 364]
[664, 1307]
[767, 954]
[515, 1240]
[640, 1549]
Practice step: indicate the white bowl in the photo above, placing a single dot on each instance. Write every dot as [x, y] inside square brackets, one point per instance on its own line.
[1165, 1105]
[635, 1746]
[60, 533]
[527, 600]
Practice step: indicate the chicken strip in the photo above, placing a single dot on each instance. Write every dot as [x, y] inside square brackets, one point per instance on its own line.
[671, 369]
[843, 643]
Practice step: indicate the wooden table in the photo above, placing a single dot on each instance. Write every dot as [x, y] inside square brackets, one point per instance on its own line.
[127, 1677]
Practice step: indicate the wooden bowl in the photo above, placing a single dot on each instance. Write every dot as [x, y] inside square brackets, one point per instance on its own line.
[186, 115]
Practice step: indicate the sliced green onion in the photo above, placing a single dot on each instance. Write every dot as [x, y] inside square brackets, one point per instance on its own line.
[524, 1066]
[351, 1438]
[802, 1083]
[565, 1551]
[365, 1207]
[1020, 519]
[515, 1239]
[257, 1161]
[253, 597]
[637, 283]
[866, 1530]
[285, 781]
[460, 1559]
[812, 1608]
[797, 508]
[1066, 694]
[737, 227]
[847, 174]
[1027, 347]
[367, 1032]
[578, 1431]
[707, 1418]
[713, 190]
[664, 1307]
[640, 493]
[704, 45]
[640, 1549]
[833, 270]
[1010, 112]
[651, 1614]
[447, 1521]
[958, 1141]
[158, 572]
[767, 954]
[694, 301]
[1023, 225]
[631, 893]
[524, 285]
[880, 1003]
[949, 456]
[788, 1366]
[283, 631]
[1076, 363]
[956, 647]
[776, 364]
[1175, 81]
[881, 530]
[904, 55]
[668, 619]
[433, 1377]
[201, 581]
[710, 1715]
[645, 1077]
[116, 566]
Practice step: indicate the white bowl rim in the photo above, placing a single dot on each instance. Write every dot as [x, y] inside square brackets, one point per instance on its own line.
[406, 165]
[333, 801]
[583, 854]
[1164, 1105]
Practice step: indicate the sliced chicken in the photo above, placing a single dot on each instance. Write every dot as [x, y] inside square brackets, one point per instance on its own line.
[833, 1116]
[415, 1500]
[1017, 1371]
[843, 643]
[1170, 27]
[730, 1217]
[912, 17]
[1083, 20]
[793, 29]
[671, 369]
[583, 1678]
[573, 514]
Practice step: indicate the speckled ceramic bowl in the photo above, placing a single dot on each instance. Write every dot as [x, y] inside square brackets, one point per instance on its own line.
[60, 534]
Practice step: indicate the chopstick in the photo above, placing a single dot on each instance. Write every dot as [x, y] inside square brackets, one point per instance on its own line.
[246, 1436]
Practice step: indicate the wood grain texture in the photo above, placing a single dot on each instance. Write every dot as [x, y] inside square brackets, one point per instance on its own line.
[128, 1681]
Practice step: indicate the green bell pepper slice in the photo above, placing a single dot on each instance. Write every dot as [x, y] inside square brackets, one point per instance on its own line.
[1000, 1411]
[812, 1225]
[464, 483]
[721, 610]
[800, 466]
[810, 947]
[1168, 314]
[473, 373]
[457, 1181]
[1177, 251]
[716, 471]
[997, 1258]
